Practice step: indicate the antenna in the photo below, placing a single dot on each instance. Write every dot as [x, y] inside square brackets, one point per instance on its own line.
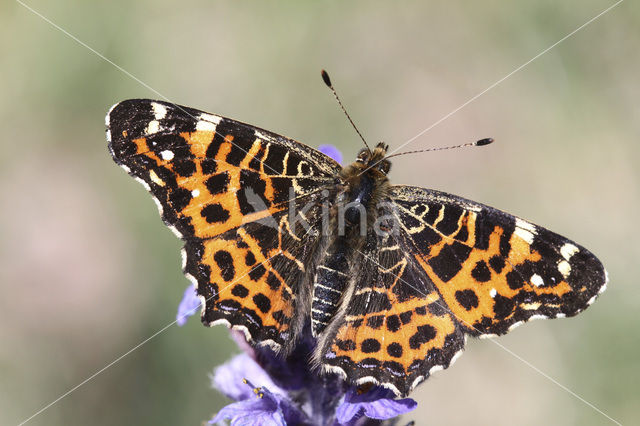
[481, 142]
[327, 81]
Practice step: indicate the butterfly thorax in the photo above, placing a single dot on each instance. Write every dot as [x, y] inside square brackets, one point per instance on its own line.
[354, 210]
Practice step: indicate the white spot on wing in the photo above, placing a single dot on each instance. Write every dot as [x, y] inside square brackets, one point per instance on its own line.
[167, 155]
[564, 268]
[435, 369]
[525, 230]
[206, 126]
[107, 118]
[493, 292]
[155, 178]
[195, 193]
[335, 370]
[537, 280]
[417, 381]
[160, 209]
[568, 250]
[152, 127]
[515, 324]
[455, 357]
[143, 183]
[530, 306]
[183, 253]
[261, 135]
[175, 231]
[210, 118]
[487, 336]
[193, 281]
[537, 317]
[159, 110]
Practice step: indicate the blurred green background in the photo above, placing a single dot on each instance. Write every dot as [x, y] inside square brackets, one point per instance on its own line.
[88, 271]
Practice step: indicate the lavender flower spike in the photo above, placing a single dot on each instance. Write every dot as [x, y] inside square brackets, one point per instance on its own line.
[378, 403]
[189, 305]
[262, 407]
[331, 151]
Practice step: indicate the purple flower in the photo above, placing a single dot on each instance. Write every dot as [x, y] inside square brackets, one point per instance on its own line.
[229, 377]
[262, 407]
[293, 392]
[377, 404]
[267, 404]
[189, 305]
[331, 151]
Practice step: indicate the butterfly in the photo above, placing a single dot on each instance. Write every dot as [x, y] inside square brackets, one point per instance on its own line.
[280, 240]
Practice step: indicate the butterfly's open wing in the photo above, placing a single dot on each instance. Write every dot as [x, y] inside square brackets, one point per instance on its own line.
[396, 329]
[226, 188]
[493, 270]
[454, 267]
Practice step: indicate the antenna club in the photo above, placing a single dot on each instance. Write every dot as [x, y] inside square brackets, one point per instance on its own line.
[325, 78]
[485, 141]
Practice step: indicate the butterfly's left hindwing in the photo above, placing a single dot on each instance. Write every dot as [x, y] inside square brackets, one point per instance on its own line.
[226, 189]
[493, 270]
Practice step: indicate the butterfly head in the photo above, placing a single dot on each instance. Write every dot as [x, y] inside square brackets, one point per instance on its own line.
[368, 159]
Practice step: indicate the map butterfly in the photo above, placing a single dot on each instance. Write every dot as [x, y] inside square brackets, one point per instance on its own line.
[280, 240]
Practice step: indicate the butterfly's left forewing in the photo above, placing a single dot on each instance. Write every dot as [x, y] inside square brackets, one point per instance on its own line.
[226, 188]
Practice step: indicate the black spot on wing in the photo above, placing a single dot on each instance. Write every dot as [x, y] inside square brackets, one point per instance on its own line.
[424, 334]
[224, 260]
[467, 298]
[514, 280]
[393, 323]
[497, 263]
[450, 218]
[240, 291]
[215, 213]
[394, 350]
[449, 261]
[209, 166]
[481, 272]
[370, 346]
[275, 159]
[184, 168]
[217, 184]
[262, 302]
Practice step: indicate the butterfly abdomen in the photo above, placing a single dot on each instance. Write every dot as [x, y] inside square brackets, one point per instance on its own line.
[329, 285]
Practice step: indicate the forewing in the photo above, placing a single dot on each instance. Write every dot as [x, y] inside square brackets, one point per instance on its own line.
[493, 270]
[225, 188]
